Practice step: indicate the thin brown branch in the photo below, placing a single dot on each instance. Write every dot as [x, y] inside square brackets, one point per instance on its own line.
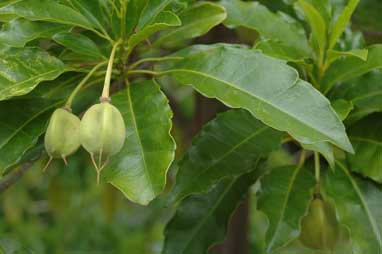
[14, 177]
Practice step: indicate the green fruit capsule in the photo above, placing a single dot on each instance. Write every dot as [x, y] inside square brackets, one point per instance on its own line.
[102, 132]
[320, 228]
[62, 138]
[103, 129]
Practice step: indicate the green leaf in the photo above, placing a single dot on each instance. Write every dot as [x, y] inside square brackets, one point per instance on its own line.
[358, 206]
[201, 220]
[133, 13]
[46, 10]
[196, 21]
[164, 20]
[284, 197]
[240, 78]
[342, 108]
[341, 22]
[317, 25]
[78, 43]
[94, 11]
[285, 32]
[18, 32]
[228, 146]
[21, 70]
[348, 68]
[366, 136]
[333, 55]
[275, 49]
[151, 10]
[139, 170]
[22, 121]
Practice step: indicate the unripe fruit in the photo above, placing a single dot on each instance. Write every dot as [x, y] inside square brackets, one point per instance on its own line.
[62, 137]
[320, 228]
[102, 129]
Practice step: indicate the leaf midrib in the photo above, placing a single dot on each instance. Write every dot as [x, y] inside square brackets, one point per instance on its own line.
[256, 97]
[139, 140]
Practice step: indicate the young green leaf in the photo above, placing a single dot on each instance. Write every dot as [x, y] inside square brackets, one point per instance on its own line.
[317, 26]
[240, 78]
[333, 55]
[201, 220]
[286, 33]
[20, 31]
[196, 21]
[20, 77]
[281, 198]
[164, 20]
[94, 11]
[341, 22]
[133, 14]
[78, 43]
[151, 10]
[228, 146]
[348, 68]
[139, 170]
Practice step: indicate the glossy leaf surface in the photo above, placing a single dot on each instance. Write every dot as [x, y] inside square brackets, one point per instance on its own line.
[228, 146]
[20, 77]
[18, 32]
[240, 78]
[139, 169]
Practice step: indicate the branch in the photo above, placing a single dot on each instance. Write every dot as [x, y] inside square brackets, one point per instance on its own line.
[14, 177]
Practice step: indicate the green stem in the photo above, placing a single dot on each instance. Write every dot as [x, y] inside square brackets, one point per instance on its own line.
[317, 166]
[106, 86]
[154, 73]
[153, 59]
[102, 35]
[302, 158]
[80, 85]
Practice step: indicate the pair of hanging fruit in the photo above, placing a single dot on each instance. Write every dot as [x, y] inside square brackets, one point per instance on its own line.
[101, 131]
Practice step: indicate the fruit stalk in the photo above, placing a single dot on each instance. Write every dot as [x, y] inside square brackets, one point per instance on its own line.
[106, 86]
[69, 102]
